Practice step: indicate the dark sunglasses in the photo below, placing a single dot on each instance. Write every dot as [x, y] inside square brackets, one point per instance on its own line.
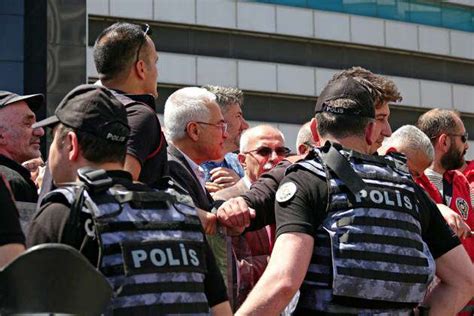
[464, 137]
[146, 31]
[267, 151]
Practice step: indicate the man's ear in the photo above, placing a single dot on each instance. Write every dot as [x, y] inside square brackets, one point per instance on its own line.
[303, 149]
[193, 131]
[139, 68]
[390, 150]
[242, 158]
[72, 144]
[443, 143]
[369, 133]
[314, 131]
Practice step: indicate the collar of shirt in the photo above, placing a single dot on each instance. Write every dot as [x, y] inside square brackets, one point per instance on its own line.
[5, 161]
[436, 179]
[197, 169]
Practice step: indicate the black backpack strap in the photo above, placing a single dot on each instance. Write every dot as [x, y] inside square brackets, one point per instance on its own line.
[340, 165]
[93, 181]
[72, 228]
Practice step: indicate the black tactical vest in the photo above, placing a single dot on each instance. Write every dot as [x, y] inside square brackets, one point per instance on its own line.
[152, 250]
[369, 247]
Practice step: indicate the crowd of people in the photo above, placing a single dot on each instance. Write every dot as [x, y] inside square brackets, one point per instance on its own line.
[206, 215]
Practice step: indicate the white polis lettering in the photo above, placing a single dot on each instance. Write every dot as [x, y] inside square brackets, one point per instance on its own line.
[183, 254]
[194, 257]
[138, 256]
[172, 261]
[115, 138]
[389, 198]
[160, 257]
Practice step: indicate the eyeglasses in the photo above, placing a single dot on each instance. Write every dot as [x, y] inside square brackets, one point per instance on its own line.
[265, 151]
[146, 31]
[221, 125]
[464, 137]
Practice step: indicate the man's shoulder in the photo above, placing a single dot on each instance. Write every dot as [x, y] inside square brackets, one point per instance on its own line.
[11, 174]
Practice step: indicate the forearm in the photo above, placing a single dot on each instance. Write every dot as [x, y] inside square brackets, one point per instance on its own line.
[222, 309]
[282, 278]
[456, 286]
[10, 252]
[269, 297]
[446, 300]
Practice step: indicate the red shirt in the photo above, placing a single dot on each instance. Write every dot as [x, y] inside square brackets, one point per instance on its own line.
[457, 183]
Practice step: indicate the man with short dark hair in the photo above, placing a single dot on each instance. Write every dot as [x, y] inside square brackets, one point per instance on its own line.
[441, 180]
[125, 58]
[225, 172]
[333, 212]
[387, 92]
[146, 242]
[19, 142]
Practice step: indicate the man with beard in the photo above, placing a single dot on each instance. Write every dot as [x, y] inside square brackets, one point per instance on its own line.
[441, 180]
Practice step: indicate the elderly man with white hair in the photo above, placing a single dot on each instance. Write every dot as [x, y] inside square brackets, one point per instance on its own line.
[196, 132]
[416, 146]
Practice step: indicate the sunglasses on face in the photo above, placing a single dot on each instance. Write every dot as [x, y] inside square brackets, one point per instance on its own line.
[267, 151]
[464, 137]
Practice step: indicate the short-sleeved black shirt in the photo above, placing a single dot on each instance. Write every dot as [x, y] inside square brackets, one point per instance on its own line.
[49, 224]
[10, 229]
[306, 210]
[146, 142]
[261, 195]
[19, 179]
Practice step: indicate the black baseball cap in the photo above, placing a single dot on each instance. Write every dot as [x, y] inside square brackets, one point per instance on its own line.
[346, 88]
[92, 109]
[34, 101]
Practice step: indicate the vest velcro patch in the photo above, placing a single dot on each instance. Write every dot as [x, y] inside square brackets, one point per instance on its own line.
[163, 256]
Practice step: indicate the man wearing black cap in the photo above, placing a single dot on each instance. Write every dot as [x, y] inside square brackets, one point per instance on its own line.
[19, 142]
[147, 243]
[354, 233]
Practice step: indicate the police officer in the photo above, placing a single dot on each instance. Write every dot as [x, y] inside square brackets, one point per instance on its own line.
[354, 233]
[150, 247]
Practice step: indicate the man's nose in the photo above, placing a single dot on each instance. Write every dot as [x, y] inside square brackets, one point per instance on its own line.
[39, 131]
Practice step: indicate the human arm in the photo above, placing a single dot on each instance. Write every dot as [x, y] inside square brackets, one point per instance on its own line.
[224, 177]
[455, 221]
[256, 204]
[132, 165]
[146, 146]
[453, 265]
[214, 286]
[296, 220]
[12, 239]
[9, 252]
[48, 224]
[283, 276]
[456, 286]
[221, 309]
